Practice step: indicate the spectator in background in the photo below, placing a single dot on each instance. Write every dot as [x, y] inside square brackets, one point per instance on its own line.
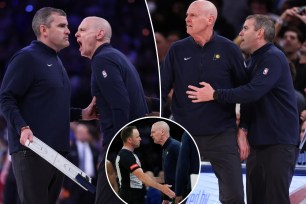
[293, 16]
[173, 36]
[116, 85]
[188, 163]
[222, 26]
[291, 43]
[300, 80]
[169, 16]
[85, 156]
[160, 133]
[207, 56]
[263, 7]
[301, 159]
[162, 46]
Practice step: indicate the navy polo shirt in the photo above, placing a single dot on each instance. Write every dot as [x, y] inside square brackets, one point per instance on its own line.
[117, 85]
[269, 111]
[220, 63]
[36, 91]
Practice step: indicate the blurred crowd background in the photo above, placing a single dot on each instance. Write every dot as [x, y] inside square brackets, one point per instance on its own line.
[168, 17]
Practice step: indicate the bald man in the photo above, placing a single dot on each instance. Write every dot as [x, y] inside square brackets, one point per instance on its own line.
[160, 133]
[206, 56]
[116, 85]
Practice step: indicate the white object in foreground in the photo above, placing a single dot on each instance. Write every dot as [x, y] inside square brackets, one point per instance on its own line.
[61, 163]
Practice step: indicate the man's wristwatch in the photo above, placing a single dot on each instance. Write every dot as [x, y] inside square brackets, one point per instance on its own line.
[23, 128]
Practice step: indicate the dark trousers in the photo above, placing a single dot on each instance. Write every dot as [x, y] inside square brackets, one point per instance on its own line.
[133, 196]
[37, 181]
[269, 173]
[104, 193]
[222, 152]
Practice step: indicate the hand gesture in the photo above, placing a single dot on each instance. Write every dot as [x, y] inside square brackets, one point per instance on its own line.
[166, 190]
[202, 94]
[90, 113]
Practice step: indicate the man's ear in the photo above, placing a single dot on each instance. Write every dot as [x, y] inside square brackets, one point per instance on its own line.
[261, 33]
[43, 30]
[100, 35]
[211, 19]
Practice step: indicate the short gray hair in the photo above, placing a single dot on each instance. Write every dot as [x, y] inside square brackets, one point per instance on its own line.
[266, 23]
[43, 17]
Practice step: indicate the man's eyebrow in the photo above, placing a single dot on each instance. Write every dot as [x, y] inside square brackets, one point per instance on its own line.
[63, 24]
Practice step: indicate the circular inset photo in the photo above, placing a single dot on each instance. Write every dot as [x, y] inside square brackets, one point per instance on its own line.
[152, 160]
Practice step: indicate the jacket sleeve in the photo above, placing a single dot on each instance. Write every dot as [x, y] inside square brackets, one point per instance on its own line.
[111, 85]
[17, 82]
[167, 77]
[263, 80]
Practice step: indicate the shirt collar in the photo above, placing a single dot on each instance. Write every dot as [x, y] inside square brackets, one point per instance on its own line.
[210, 40]
[44, 46]
[262, 49]
[166, 144]
[100, 48]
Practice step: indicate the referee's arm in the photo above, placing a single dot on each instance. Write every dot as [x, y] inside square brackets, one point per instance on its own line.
[150, 182]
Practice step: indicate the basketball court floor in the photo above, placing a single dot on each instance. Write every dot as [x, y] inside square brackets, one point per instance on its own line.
[206, 190]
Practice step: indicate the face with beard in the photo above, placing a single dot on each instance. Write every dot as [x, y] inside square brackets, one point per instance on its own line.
[291, 43]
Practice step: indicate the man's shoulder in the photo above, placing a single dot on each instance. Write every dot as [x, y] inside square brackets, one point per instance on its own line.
[125, 152]
[223, 40]
[273, 53]
[174, 143]
[183, 42]
[24, 54]
[181, 46]
[108, 51]
[109, 54]
[274, 50]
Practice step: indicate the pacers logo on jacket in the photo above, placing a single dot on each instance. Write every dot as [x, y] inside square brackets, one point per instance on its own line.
[216, 56]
